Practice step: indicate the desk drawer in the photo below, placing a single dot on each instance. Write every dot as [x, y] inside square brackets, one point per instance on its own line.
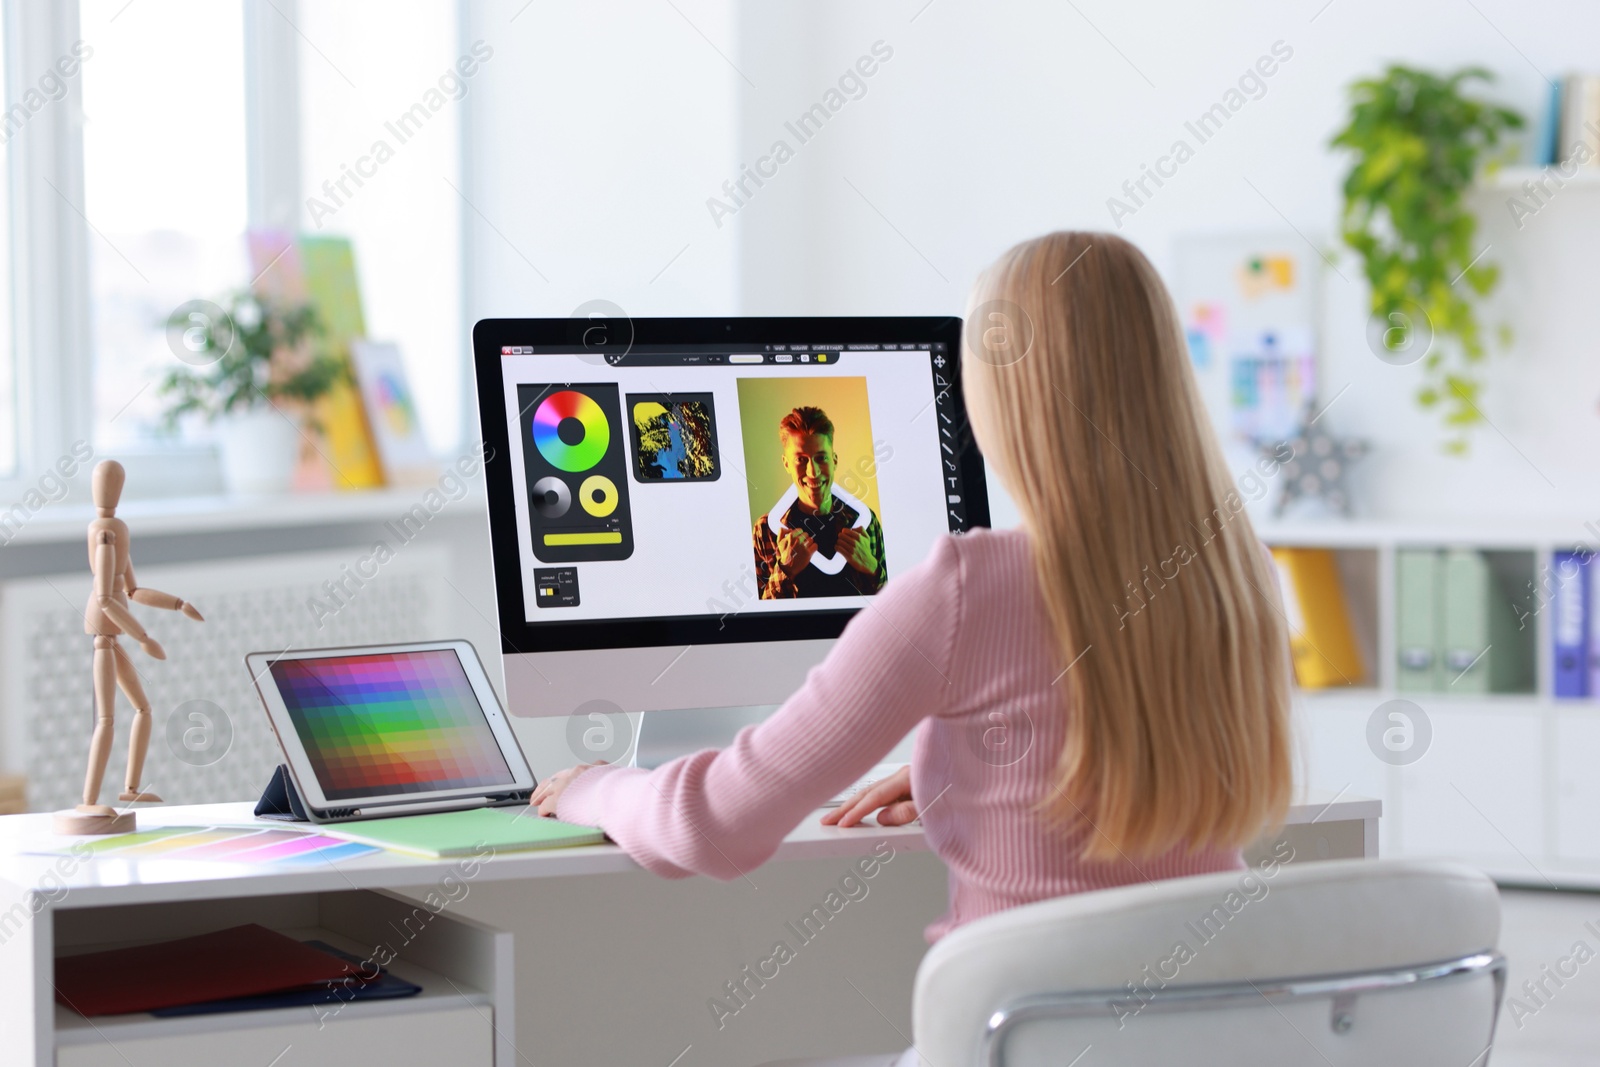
[462, 1035]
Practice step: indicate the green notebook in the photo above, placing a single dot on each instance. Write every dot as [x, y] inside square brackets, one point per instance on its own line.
[448, 834]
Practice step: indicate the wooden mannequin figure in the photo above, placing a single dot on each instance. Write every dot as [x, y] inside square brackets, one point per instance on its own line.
[106, 617]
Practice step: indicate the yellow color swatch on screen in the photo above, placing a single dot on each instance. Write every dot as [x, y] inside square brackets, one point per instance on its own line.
[1320, 638]
[603, 538]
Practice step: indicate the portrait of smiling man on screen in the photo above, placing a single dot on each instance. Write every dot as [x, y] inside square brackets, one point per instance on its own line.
[818, 539]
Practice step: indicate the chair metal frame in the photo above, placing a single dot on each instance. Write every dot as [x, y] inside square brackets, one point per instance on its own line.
[1341, 988]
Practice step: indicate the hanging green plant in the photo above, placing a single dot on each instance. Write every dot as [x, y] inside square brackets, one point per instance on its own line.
[1419, 144]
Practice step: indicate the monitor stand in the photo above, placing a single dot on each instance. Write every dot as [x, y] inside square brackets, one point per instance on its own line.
[666, 735]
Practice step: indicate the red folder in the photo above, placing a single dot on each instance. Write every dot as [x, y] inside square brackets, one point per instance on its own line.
[237, 962]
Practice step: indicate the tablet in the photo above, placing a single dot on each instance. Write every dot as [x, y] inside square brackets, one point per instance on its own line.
[390, 729]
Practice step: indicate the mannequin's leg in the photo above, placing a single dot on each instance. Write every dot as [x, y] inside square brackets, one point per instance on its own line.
[139, 734]
[105, 710]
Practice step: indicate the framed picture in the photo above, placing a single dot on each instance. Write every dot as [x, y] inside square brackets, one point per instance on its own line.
[392, 413]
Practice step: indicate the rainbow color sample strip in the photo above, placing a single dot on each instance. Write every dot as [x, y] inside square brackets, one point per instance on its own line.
[226, 844]
[393, 722]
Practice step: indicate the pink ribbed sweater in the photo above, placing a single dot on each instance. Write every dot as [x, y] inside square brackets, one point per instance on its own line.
[959, 648]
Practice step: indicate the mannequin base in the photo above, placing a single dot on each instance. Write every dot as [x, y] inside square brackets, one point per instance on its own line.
[80, 823]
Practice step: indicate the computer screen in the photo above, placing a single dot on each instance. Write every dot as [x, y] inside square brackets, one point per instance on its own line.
[715, 482]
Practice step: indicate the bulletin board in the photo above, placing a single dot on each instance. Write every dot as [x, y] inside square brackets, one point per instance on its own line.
[1248, 306]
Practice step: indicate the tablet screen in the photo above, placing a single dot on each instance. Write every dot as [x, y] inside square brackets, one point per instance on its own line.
[390, 723]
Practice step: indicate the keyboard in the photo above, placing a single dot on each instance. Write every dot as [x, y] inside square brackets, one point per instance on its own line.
[872, 777]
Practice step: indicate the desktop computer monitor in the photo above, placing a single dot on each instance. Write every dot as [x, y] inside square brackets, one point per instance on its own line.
[643, 474]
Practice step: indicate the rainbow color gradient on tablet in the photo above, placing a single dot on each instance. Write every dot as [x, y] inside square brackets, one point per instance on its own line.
[389, 723]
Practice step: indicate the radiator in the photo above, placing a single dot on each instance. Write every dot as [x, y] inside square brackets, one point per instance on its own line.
[210, 739]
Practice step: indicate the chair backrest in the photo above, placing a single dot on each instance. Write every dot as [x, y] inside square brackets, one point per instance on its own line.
[1336, 963]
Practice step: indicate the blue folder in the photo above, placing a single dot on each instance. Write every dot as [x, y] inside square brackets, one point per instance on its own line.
[1570, 626]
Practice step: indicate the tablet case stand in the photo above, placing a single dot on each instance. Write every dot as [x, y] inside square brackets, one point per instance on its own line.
[280, 800]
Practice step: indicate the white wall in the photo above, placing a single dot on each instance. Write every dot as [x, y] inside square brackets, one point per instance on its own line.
[997, 121]
[363, 73]
[590, 143]
[600, 131]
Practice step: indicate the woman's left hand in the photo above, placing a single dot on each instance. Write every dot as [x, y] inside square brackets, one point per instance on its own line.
[544, 798]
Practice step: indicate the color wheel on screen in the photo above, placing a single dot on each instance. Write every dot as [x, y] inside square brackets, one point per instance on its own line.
[576, 471]
[567, 415]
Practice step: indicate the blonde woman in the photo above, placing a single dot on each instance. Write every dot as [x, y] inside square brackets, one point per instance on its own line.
[1132, 620]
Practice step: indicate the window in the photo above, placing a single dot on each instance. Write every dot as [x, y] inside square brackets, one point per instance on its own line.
[164, 190]
[183, 124]
[15, 120]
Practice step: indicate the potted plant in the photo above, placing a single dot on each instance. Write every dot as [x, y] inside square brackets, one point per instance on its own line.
[253, 371]
[1419, 143]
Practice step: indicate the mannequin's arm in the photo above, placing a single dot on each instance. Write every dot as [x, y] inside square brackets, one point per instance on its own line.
[105, 577]
[154, 598]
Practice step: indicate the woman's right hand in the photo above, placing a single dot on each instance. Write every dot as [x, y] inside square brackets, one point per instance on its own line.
[891, 794]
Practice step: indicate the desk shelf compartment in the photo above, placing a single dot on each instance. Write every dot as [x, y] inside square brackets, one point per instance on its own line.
[464, 970]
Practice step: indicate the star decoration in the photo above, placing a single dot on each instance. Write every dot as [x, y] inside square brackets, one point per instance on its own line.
[1316, 467]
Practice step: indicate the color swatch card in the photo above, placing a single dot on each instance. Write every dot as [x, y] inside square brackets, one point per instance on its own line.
[397, 723]
[276, 846]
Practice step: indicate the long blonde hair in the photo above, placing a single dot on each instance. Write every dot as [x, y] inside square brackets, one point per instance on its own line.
[1162, 599]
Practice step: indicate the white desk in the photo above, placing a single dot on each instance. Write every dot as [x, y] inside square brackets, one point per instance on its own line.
[574, 956]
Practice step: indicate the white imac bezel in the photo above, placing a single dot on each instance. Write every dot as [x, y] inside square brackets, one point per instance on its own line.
[299, 763]
[746, 659]
[659, 678]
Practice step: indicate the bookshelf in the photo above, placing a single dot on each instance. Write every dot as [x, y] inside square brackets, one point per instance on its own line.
[1509, 782]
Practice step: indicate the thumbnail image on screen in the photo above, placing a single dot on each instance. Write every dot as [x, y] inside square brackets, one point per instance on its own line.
[674, 437]
[813, 488]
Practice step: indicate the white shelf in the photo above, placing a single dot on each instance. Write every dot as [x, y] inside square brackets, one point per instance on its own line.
[1435, 700]
[217, 514]
[1343, 694]
[1478, 533]
[1489, 788]
[1512, 178]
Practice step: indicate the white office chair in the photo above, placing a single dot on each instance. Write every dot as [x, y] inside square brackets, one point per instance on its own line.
[1356, 962]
